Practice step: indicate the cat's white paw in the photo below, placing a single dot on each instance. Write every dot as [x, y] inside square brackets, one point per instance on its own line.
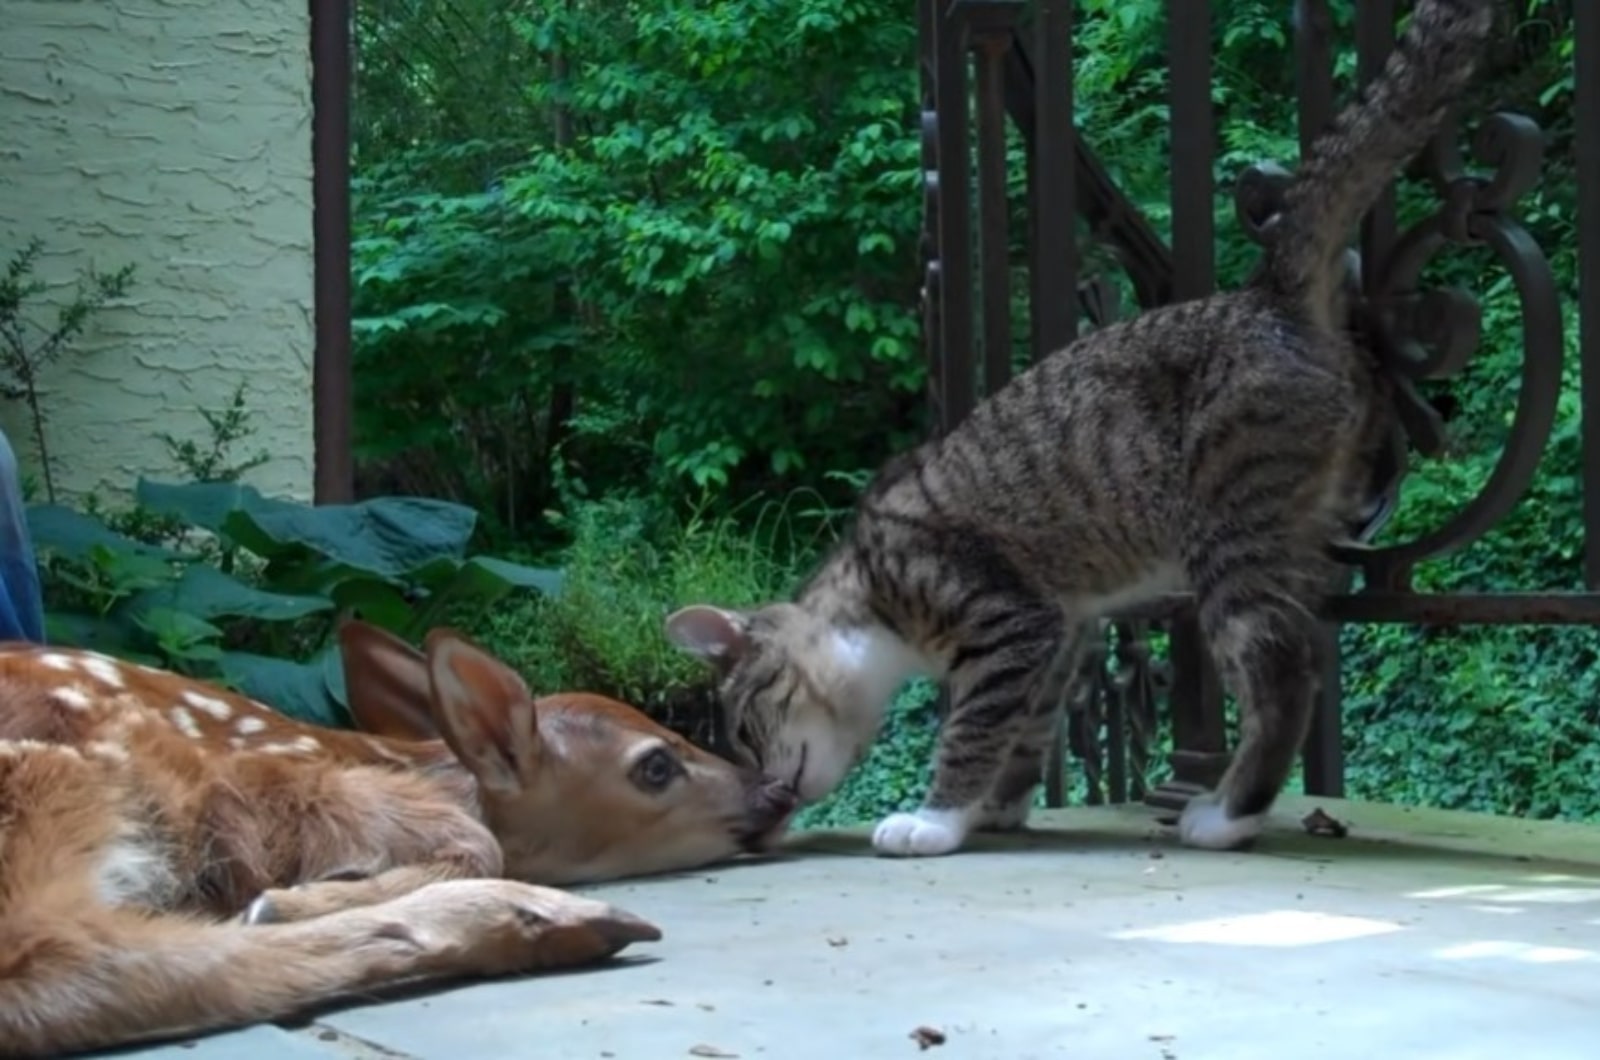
[1205, 824]
[926, 833]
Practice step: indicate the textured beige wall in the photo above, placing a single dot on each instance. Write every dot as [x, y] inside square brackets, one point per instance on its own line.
[174, 135]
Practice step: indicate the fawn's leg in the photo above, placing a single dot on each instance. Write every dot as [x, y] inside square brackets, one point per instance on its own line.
[352, 889]
[73, 979]
[398, 836]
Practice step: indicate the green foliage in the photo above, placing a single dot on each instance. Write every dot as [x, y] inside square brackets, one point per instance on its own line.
[668, 251]
[244, 589]
[1500, 720]
[27, 347]
[691, 274]
[212, 461]
[629, 565]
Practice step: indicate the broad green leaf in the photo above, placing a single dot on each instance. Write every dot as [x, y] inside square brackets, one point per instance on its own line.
[546, 580]
[126, 572]
[386, 536]
[61, 531]
[175, 628]
[206, 592]
[111, 636]
[201, 504]
[333, 678]
[375, 601]
[296, 689]
[482, 580]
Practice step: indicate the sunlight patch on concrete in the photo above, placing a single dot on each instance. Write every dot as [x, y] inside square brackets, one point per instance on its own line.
[1515, 951]
[1285, 927]
[1500, 892]
[1461, 891]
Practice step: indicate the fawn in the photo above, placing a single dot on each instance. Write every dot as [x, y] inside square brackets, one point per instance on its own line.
[176, 858]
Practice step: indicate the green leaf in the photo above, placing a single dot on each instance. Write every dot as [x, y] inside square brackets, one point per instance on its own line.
[482, 580]
[175, 628]
[205, 592]
[110, 636]
[126, 572]
[333, 678]
[296, 689]
[375, 601]
[387, 536]
[202, 504]
[545, 580]
[60, 531]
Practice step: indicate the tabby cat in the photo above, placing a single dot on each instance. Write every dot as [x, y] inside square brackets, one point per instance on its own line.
[1216, 445]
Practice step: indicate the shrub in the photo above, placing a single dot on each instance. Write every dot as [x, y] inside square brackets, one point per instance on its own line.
[235, 587]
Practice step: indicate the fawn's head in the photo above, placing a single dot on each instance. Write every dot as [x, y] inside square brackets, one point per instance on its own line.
[576, 787]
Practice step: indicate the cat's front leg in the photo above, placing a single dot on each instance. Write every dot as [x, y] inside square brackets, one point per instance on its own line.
[994, 693]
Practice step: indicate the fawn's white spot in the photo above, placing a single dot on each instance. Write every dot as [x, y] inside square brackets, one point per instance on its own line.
[72, 698]
[298, 745]
[107, 750]
[55, 660]
[213, 706]
[249, 724]
[19, 748]
[102, 669]
[184, 722]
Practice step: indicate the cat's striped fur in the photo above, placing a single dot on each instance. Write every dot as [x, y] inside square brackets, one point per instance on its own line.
[1217, 444]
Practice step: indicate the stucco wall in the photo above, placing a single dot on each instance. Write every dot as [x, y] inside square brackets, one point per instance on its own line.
[174, 135]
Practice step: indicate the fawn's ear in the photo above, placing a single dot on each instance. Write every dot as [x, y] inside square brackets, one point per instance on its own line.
[386, 681]
[484, 711]
[715, 635]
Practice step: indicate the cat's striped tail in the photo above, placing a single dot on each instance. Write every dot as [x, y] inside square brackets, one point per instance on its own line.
[1350, 164]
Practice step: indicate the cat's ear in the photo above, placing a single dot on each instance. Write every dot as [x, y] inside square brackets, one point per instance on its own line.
[713, 634]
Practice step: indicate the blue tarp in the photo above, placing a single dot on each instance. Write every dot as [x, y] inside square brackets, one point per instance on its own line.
[21, 608]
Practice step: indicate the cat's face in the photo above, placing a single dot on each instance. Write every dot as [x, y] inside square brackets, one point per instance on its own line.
[786, 694]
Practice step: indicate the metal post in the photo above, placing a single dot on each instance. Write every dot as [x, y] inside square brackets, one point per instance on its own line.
[330, 223]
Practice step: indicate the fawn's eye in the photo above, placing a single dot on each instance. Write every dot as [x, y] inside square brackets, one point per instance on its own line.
[656, 770]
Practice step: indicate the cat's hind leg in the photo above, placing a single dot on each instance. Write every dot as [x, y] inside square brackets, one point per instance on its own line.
[1261, 630]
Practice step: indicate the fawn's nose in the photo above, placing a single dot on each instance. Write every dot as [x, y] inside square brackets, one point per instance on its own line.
[779, 798]
[769, 805]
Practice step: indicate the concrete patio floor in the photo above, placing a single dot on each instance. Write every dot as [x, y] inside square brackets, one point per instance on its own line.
[1421, 935]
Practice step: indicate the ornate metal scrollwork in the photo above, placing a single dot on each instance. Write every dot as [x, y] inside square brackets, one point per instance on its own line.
[1111, 715]
[1423, 335]
[928, 248]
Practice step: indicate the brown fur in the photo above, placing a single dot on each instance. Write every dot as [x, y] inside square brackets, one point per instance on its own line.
[1217, 445]
[139, 810]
